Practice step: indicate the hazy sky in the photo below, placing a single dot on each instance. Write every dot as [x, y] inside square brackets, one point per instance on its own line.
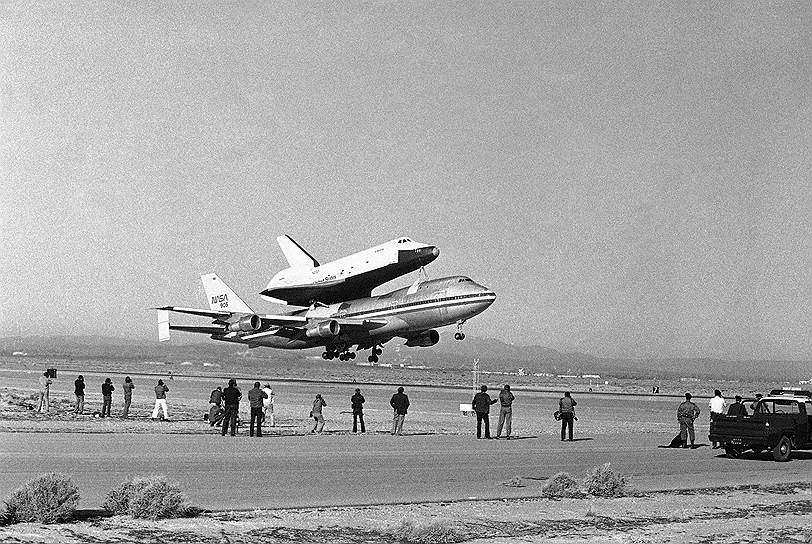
[632, 179]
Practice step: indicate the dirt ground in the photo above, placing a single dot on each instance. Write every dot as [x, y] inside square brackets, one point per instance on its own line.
[757, 514]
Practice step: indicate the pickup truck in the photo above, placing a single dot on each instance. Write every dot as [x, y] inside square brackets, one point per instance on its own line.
[781, 422]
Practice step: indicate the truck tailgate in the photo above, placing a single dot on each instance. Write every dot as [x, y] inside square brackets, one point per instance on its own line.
[739, 430]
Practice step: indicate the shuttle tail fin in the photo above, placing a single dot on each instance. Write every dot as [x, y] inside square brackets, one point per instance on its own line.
[297, 257]
[221, 297]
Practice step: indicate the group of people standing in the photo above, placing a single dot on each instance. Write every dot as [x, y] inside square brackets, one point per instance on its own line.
[481, 405]
[688, 411]
[224, 406]
[127, 387]
[399, 403]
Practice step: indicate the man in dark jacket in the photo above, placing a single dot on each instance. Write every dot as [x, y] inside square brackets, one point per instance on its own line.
[400, 403]
[566, 408]
[482, 406]
[737, 408]
[128, 396]
[358, 411]
[79, 391]
[107, 397]
[255, 397]
[231, 398]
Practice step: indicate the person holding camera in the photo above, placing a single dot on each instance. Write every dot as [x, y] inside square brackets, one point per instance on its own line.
[160, 400]
[44, 403]
[79, 391]
[107, 397]
[128, 396]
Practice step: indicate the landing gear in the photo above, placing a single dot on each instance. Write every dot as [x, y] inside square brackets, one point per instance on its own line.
[459, 335]
[346, 356]
[342, 352]
[375, 352]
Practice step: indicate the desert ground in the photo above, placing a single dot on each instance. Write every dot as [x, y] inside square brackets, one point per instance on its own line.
[437, 481]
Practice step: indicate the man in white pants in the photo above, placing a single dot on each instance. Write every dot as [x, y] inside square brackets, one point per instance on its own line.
[268, 406]
[160, 400]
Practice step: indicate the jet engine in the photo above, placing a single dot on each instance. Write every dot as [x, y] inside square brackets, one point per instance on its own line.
[424, 339]
[247, 323]
[324, 329]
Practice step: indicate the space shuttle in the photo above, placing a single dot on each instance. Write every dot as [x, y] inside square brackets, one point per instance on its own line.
[306, 282]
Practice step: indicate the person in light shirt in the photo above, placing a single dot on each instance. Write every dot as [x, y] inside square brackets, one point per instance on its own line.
[717, 405]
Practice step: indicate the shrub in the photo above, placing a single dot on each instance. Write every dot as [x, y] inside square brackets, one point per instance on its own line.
[151, 498]
[118, 499]
[562, 485]
[49, 498]
[602, 481]
[418, 531]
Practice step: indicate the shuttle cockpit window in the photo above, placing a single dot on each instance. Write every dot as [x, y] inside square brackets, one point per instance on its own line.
[461, 280]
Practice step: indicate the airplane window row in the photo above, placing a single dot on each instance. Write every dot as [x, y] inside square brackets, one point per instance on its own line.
[419, 302]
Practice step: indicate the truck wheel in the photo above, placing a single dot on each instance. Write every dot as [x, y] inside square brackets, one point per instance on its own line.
[733, 452]
[783, 450]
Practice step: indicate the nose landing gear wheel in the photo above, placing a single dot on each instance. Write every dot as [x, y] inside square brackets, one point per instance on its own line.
[459, 336]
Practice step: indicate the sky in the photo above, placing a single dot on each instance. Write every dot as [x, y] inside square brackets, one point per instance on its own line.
[631, 178]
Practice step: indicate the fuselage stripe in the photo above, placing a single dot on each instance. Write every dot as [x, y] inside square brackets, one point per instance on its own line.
[445, 302]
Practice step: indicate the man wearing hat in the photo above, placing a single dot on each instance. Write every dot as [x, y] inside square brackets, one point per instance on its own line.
[357, 411]
[686, 414]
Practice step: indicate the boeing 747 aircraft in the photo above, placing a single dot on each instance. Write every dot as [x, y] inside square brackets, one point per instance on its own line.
[412, 313]
[305, 281]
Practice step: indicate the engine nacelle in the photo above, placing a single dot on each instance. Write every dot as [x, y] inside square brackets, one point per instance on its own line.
[424, 339]
[247, 323]
[324, 329]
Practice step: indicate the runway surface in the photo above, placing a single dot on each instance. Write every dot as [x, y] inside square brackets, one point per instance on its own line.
[307, 471]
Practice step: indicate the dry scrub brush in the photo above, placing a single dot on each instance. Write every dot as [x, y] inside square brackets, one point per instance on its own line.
[562, 486]
[418, 531]
[602, 481]
[152, 498]
[49, 498]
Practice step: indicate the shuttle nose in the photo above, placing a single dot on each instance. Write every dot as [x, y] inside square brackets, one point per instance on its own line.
[427, 254]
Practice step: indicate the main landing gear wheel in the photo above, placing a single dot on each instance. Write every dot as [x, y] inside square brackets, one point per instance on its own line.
[459, 335]
[376, 350]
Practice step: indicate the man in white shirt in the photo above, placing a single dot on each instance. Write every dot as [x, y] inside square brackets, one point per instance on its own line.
[717, 405]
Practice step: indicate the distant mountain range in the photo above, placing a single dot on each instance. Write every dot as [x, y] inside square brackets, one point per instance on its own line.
[493, 354]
